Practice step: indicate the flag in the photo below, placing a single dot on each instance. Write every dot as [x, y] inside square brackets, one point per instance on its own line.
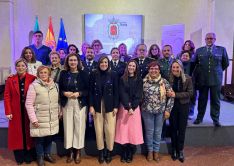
[50, 39]
[36, 25]
[62, 39]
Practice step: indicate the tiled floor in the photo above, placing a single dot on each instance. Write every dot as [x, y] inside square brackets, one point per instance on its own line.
[202, 156]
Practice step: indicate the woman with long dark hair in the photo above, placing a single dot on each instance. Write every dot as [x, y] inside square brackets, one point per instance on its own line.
[30, 57]
[104, 104]
[128, 125]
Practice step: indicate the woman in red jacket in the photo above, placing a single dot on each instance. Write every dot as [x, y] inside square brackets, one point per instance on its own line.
[16, 88]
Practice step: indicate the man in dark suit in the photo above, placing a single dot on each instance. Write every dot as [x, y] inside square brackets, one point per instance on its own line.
[89, 64]
[211, 61]
[142, 60]
[117, 65]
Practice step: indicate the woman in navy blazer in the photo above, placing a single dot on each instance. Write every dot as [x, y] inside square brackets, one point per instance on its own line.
[73, 86]
[104, 103]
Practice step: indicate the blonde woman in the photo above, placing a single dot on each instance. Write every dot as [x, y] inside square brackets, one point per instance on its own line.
[43, 111]
[182, 91]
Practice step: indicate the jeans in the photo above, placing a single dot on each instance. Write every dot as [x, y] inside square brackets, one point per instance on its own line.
[153, 128]
[43, 145]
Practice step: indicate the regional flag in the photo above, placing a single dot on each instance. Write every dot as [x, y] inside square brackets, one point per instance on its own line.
[50, 39]
[62, 39]
[36, 25]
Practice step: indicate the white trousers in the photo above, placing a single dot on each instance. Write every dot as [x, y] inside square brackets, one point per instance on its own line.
[74, 122]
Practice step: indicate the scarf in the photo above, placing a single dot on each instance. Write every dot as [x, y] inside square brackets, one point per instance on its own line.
[160, 81]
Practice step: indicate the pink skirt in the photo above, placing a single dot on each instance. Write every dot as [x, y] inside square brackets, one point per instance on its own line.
[129, 127]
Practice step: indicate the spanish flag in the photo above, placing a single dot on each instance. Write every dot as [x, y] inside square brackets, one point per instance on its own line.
[50, 39]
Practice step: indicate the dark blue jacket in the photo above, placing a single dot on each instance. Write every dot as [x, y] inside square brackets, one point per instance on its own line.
[82, 86]
[119, 69]
[109, 94]
[143, 68]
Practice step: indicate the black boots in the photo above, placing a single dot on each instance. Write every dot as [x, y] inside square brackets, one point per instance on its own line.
[108, 156]
[49, 158]
[129, 155]
[181, 156]
[177, 155]
[123, 155]
[174, 155]
[101, 156]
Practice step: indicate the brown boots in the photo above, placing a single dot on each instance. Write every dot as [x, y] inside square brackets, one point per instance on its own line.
[150, 156]
[78, 156]
[74, 154]
[153, 156]
[156, 156]
[70, 156]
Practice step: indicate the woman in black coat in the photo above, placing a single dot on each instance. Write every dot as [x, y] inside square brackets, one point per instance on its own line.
[104, 103]
[182, 91]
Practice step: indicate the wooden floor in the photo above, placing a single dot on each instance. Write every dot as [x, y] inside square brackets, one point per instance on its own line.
[202, 156]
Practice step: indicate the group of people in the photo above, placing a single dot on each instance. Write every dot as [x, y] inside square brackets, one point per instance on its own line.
[116, 95]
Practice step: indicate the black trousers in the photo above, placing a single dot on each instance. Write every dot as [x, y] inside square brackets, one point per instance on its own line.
[178, 122]
[214, 102]
[24, 155]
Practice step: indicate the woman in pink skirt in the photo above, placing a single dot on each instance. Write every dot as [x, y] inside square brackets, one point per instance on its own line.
[128, 125]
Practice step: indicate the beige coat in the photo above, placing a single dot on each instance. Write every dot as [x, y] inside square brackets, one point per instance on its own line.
[42, 107]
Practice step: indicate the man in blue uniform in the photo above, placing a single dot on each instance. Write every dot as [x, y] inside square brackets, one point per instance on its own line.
[89, 64]
[117, 65]
[142, 60]
[41, 51]
[211, 61]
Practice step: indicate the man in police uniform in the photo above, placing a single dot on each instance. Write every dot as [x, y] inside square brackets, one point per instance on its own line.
[88, 63]
[117, 65]
[165, 62]
[142, 60]
[211, 61]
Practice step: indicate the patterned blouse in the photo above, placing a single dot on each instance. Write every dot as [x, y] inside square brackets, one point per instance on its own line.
[154, 95]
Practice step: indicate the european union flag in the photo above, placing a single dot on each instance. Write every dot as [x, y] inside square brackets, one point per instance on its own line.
[62, 39]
